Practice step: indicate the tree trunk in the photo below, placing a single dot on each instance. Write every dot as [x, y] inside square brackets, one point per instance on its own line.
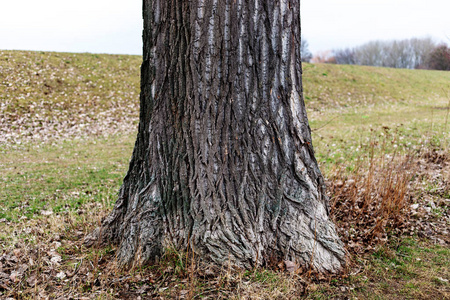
[223, 161]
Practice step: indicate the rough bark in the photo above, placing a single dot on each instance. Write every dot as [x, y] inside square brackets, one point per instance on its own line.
[223, 161]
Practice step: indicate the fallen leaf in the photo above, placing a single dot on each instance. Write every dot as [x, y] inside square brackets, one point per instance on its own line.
[61, 275]
[291, 267]
[31, 281]
[56, 259]
[14, 277]
[16, 252]
[46, 212]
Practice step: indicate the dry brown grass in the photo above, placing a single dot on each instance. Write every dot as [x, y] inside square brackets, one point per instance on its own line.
[371, 201]
[389, 195]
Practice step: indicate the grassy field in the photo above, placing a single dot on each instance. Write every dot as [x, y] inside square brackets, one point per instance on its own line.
[67, 128]
[46, 96]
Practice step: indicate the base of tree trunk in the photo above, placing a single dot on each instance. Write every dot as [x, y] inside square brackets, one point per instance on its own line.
[143, 236]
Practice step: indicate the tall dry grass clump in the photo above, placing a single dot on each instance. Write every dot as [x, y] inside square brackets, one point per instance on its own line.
[379, 195]
[373, 199]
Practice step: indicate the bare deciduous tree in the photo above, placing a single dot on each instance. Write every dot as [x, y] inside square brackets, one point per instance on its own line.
[345, 56]
[304, 49]
[421, 49]
[410, 54]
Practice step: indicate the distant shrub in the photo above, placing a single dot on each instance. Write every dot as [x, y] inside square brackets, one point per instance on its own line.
[439, 58]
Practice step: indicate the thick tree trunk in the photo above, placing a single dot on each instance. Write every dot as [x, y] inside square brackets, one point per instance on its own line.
[223, 161]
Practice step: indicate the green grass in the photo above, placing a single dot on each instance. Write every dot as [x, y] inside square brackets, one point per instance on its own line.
[405, 269]
[62, 176]
[346, 86]
[417, 269]
[349, 107]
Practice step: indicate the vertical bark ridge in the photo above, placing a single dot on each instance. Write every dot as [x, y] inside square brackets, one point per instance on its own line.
[223, 161]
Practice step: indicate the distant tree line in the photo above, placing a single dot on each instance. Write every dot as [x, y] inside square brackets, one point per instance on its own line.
[306, 55]
[415, 53]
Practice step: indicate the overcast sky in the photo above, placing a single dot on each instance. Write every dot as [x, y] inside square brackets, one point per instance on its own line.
[113, 26]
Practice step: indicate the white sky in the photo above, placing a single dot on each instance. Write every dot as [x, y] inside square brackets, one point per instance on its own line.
[328, 24]
[112, 26]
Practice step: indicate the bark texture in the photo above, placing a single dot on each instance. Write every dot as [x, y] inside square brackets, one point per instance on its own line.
[223, 161]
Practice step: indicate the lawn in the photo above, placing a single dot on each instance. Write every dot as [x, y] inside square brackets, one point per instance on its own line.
[67, 129]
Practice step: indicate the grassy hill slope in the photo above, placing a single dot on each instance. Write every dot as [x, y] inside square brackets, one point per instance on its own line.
[47, 95]
[332, 86]
[350, 105]
[88, 93]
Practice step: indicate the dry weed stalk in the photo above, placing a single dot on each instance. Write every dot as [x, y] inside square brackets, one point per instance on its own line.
[372, 199]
